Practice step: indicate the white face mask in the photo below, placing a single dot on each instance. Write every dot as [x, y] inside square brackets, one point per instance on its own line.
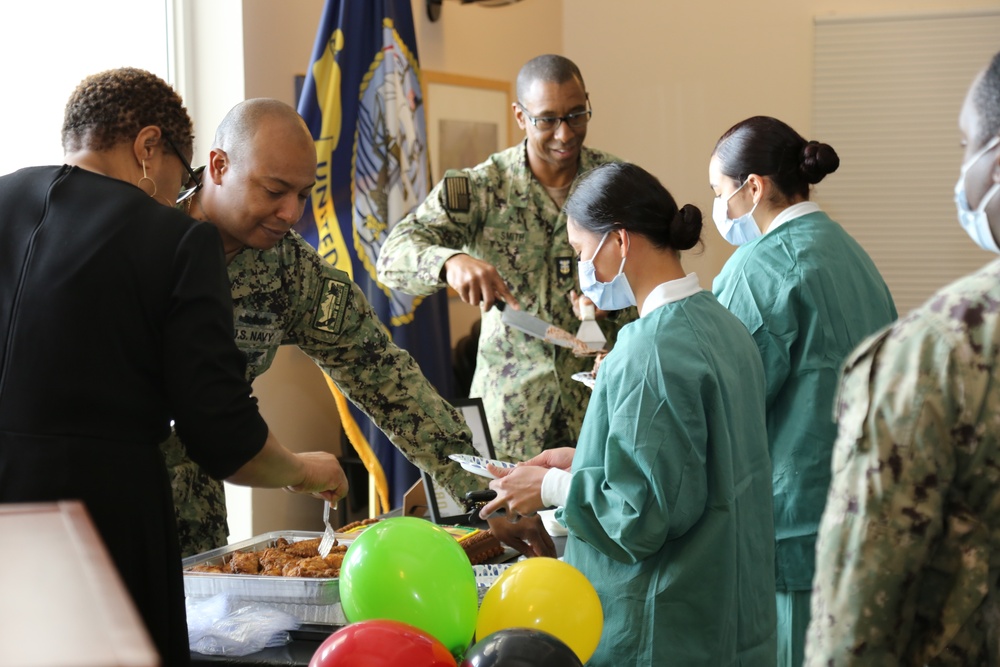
[975, 223]
[739, 231]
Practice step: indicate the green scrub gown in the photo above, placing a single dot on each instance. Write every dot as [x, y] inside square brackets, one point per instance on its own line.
[809, 294]
[669, 507]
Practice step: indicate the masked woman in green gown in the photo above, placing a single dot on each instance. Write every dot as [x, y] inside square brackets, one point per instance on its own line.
[667, 496]
[809, 294]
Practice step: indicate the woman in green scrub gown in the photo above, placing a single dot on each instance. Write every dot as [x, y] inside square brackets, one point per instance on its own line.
[667, 496]
[809, 294]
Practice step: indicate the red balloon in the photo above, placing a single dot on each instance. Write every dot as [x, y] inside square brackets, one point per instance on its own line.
[381, 643]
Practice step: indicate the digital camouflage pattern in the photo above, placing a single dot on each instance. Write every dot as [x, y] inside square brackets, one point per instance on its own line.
[499, 213]
[907, 560]
[288, 295]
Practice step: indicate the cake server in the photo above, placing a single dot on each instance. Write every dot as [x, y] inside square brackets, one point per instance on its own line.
[531, 325]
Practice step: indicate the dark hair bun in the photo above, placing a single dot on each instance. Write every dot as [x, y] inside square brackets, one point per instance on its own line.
[818, 160]
[685, 229]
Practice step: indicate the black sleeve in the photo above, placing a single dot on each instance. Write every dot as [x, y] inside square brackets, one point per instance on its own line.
[215, 414]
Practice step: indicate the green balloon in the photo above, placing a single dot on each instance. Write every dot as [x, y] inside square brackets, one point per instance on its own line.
[411, 570]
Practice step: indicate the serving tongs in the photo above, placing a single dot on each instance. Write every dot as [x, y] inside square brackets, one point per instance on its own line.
[329, 539]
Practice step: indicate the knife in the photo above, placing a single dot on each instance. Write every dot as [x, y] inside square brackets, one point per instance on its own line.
[531, 325]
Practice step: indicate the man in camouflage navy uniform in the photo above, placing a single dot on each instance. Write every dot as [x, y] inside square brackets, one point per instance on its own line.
[497, 231]
[908, 556]
[261, 170]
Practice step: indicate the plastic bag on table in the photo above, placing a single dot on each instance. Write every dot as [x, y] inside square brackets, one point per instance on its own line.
[220, 625]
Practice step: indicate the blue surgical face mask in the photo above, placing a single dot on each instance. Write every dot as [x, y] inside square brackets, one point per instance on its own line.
[607, 296]
[975, 223]
[739, 231]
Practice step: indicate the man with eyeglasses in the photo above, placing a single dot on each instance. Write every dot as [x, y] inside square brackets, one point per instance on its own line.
[496, 232]
[260, 172]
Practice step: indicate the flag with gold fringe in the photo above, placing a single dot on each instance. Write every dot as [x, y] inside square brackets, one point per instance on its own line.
[363, 102]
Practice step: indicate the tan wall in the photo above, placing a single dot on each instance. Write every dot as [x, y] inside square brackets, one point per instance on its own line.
[295, 401]
[277, 44]
[488, 43]
[466, 40]
[668, 78]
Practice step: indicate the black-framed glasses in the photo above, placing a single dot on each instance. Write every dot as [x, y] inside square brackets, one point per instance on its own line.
[576, 120]
[189, 189]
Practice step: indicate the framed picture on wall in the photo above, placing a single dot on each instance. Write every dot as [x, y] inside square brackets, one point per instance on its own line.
[468, 119]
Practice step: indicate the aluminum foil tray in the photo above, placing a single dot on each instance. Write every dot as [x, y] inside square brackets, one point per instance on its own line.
[296, 591]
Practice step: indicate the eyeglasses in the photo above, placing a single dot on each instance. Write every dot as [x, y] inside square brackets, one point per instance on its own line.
[576, 120]
[189, 189]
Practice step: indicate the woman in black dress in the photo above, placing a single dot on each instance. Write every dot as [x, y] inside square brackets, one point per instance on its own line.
[116, 319]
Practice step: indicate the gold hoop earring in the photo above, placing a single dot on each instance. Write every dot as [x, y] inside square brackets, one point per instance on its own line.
[146, 178]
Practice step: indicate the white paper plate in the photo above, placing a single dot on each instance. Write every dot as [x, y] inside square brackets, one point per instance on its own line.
[589, 378]
[477, 464]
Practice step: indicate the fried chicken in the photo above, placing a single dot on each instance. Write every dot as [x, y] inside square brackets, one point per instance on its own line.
[315, 567]
[212, 569]
[273, 561]
[284, 559]
[304, 548]
[244, 563]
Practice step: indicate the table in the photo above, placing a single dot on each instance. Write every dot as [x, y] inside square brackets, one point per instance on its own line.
[304, 644]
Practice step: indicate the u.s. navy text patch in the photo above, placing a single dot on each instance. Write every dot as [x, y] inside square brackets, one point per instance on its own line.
[251, 336]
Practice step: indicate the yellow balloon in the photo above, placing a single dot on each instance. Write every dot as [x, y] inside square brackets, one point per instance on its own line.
[544, 594]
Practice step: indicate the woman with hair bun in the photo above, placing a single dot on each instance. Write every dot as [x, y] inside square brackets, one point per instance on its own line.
[809, 294]
[667, 496]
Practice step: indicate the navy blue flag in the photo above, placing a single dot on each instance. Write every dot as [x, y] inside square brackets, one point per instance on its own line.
[363, 102]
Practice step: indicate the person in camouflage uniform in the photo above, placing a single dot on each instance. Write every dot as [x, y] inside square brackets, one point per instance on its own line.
[497, 231]
[260, 172]
[907, 558]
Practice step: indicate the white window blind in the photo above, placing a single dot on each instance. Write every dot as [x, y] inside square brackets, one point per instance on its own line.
[887, 95]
